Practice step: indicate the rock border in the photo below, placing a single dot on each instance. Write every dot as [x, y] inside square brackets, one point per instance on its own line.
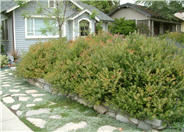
[142, 124]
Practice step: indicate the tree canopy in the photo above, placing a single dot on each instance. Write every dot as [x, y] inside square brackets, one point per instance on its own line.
[105, 6]
[164, 8]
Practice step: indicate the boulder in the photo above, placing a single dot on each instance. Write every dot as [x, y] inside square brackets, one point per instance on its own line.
[100, 109]
[144, 125]
[122, 118]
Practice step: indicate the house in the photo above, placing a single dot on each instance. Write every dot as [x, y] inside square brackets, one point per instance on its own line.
[180, 15]
[19, 32]
[153, 23]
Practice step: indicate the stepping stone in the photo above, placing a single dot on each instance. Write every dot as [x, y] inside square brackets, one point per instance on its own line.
[38, 95]
[37, 122]
[37, 112]
[72, 127]
[55, 117]
[52, 103]
[1, 92]
[8, 100]
[15, 107]
[23, 98]
[30, 105]
[37, 100]
[14, 90]
[106, 129]
[6, 85]
[10, 74]
[18, 95]
[19, 113]
[31, 91]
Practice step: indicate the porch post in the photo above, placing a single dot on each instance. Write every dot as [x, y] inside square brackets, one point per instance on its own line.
[153, 28]
[149, 26]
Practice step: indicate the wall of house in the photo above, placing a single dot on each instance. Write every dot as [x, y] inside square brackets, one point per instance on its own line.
[182, 27]
[129, 14]
[22, 43]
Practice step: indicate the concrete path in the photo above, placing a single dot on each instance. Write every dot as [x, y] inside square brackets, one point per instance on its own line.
[10, 122]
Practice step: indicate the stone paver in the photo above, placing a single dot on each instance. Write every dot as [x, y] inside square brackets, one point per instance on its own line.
[31, 91]
[14, 90]
[37, 95]
[30, 105]
[37, 112]
[72, 127]
[37, 100]
[15, 107]
[24, 98]
[8, 100]
[106, 129]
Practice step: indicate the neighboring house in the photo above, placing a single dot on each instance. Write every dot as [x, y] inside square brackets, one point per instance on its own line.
[146, 18]
[180, 15]
[18, 32]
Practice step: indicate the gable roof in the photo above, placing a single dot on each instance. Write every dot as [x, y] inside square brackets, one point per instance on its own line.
[143, 10]
[5, 5]
[8, 6]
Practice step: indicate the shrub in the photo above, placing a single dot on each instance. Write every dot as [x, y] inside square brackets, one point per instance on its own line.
[176, 36]
[122, 26]
[141, 76]
[3, 60]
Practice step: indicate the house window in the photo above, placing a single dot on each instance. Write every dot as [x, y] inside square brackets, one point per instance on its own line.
[4, 29]
[37, 28]
[84, 28]
[52, 3]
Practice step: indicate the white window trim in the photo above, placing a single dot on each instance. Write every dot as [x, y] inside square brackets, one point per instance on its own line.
[49, 3]
[90, 25]
[82, 12]
[36, 37]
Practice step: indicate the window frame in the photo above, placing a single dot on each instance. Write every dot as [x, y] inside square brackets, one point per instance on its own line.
[4, 29]
[34, 36]
[49, 3]
[90, 26]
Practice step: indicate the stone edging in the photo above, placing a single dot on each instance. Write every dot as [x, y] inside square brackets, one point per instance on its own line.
[145, 125]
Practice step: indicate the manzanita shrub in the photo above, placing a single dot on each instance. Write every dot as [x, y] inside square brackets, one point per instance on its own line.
[140, 76]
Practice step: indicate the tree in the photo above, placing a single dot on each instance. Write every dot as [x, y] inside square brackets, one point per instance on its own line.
[166, 8]
[122, 26]
[56, 14]
[105, 5]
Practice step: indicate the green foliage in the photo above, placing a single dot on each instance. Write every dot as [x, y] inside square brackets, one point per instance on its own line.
[141, 76]
[122, 26]
[164, 8]
[176, 36]
[3, 60]
[105, 6]
[40, 59]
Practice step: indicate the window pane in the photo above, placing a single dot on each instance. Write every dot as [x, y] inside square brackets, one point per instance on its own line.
[30, 27]
[39, 26]
[51, 3]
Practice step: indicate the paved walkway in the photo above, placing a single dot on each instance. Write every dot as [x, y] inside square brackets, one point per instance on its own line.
[9, 122]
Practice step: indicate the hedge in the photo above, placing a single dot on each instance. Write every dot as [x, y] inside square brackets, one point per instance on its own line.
[140, 76]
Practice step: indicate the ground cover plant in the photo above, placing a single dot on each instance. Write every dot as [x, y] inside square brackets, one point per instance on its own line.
[139, 76]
